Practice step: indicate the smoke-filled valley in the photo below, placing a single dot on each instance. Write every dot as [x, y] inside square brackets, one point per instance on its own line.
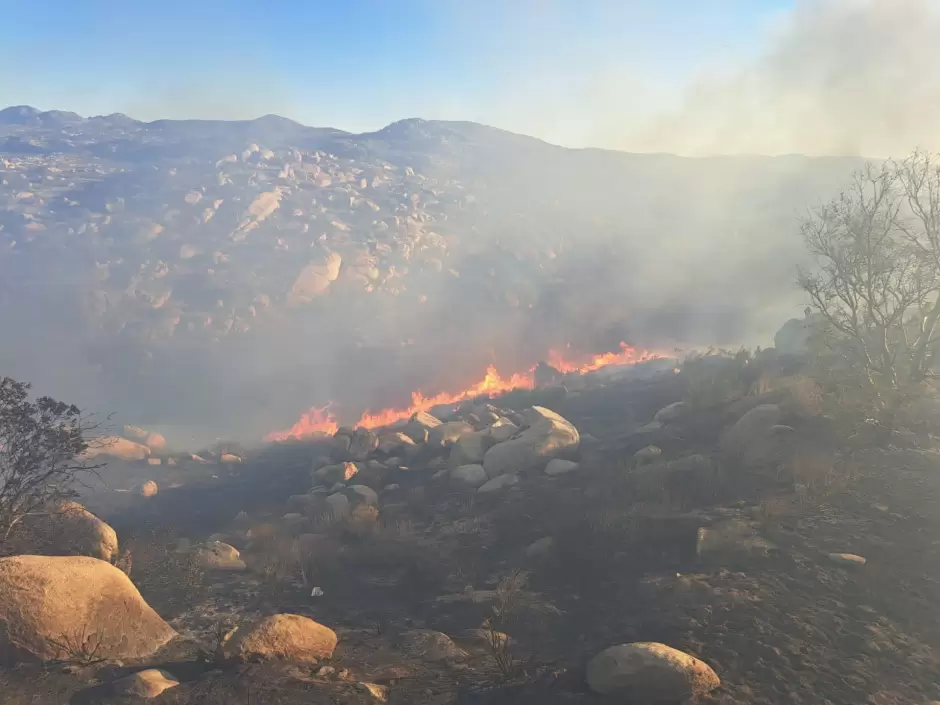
[215, 278]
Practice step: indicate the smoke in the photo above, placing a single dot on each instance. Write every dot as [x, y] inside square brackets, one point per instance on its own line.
[837, 77]
[559, 247]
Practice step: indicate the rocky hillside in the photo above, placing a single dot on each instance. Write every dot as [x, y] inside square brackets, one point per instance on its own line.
[211, 275]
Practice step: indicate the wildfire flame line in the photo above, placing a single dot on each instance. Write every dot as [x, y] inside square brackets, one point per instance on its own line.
[320, 420]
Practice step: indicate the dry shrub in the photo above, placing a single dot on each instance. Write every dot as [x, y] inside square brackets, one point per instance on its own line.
[773, 510]
[499, 649]
[326, 522]
[168, 580]
[29, 538]
[520, 611]
[361, 521]
[801, 394]
[404, 527]
[81, 647]
[259, 535]
[275, 557]
[817, 476]
[418, 561]
[716, 377]
[124, 561]
[418, 502]
[221, 634]
[677, 485]
[306, 564]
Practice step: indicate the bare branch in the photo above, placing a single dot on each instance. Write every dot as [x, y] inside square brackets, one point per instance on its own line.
[876, 279]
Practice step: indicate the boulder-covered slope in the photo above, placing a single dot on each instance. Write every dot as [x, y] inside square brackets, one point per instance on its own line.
[263, 265]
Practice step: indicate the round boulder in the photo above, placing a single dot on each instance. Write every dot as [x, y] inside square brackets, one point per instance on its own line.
[338, 505]
[648, 671]
[362, 443]
[469, 476]
[396, 443]
[118, 448]
[331, 474]
[751, 439]
[469, 449]
[155, 442]
[289, 637]
[69, 528]
[360, 494]
[448, 433]
[216, 555]
[47, 602]
[501, 430]
[429, 645]
[420, 425]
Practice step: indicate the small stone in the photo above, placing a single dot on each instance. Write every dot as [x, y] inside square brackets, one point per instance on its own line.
[847, 559]
[540, 548]
[648, 453]
[379, 692]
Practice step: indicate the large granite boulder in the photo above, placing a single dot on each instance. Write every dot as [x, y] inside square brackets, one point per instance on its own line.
[49, 605]
[548, 436]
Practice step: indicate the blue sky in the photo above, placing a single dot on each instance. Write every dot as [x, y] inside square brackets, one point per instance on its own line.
[543, 67]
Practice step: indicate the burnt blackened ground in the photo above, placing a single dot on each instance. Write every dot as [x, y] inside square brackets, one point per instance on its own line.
[787, 627]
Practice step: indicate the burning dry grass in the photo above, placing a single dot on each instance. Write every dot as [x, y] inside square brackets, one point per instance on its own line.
[320, 420]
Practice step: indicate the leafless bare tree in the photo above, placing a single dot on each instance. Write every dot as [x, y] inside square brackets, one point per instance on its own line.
[877, 276]
[42, 443]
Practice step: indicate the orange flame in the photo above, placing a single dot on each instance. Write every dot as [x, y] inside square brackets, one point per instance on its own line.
[317, 420]
[320, 420]
[626, 356]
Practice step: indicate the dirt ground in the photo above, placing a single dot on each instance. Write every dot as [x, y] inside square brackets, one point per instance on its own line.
[788, 626]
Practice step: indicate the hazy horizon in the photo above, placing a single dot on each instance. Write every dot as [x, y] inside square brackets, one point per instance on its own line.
[814, 77]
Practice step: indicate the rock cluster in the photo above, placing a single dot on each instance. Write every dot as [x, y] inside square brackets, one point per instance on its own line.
[480, 447]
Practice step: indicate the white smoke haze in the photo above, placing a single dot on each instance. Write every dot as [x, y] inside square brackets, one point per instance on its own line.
[838, 77]
[658, 250]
